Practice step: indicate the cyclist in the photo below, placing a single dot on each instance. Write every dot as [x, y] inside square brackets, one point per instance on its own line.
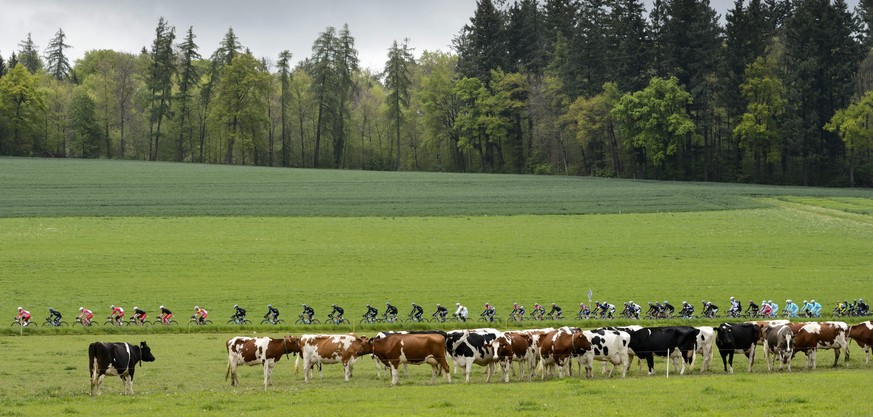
[773, 306]
[461, 312]
[441, 311]
[307, 314]
[517, 312]
[653, 311]
[390, 312]
[584, 311]
[635, 309]
[863, 308]
[791, 308]
[667, 310]
[117, 314]
[85, 315]
[371, 313]
[753, 309]
[736, 308]
[687, 310]
[806, 310]
[166, 315]
[272, 313]
[608, 310]
[54, 316]
[239, 313]
[336, 314]
[709, 309]
[538, 311]
[200, 314]
[139, 315]
[489, 312]
[766, 310]
[416, 312]
[816, 308]
[23, 317]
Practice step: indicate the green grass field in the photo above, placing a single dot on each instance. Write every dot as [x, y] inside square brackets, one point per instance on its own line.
[96, 233]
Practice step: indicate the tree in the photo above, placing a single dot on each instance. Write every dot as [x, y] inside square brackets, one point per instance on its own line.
[2, 65]
[188, 79]
[84, 130]
[441, 105]
[160, 83]
[656, 121]
[241, 105]
[58, 64]
[324, 82]
[854, 125]
[346, 64]
[398, 82]
[596, 125]
[525, 41]
[481, 45]
[628, 54]
[758, 129]
[285, 99]
[28, 55]
[21, 102]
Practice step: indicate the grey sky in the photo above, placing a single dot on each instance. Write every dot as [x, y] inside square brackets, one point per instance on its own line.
[265, 26]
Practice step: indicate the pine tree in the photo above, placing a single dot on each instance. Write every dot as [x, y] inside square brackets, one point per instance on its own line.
[628, 54]
[188, 78]
[58, 64]
[285, 99]
[398, 82]
[324, 82]
[525, 39]
[2, 65]
[559, 20]
[346, 64]
[481, 45]
[29, 55]
[160, 82]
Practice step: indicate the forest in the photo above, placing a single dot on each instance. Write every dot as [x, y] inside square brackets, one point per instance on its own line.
[774, 92]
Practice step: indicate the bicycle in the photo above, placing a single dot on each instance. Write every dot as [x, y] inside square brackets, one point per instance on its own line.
[554, 316]
[197, 322]
[415, 319]
[273, 322]
[239, 321]
[370, 319]
[437, 319]
[337, 320]
[82, 323]
[307, 320]
[52, 323]
[390, 318]
[112, 322]
[134, 322]
[20, 323]
[515, 317]
[161, 322]
[490, 320]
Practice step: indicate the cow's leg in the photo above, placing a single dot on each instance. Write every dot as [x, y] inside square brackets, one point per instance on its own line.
[650, 361]
[130, 385]
[93, 378]
[100, 384]
[468, 366]
[751, 354]
[394, 367]
[347, 367]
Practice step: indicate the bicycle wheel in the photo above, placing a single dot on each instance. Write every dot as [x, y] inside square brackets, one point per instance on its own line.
[363, 321]
[315, 321]
[300, 321]
[15, 324]
[193, 322]
[267, 321]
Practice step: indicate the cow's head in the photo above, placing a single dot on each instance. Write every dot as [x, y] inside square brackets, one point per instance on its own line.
[292, 345]
[146, 353]
[580, 343]
[366, 345]
[502, 347]
[725, 334]
[788, 348]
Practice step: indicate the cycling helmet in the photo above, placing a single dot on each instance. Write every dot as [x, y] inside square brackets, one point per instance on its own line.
[304, 305]
[269, 305]
[788, 300]
[369, 305]
[163, 306]
[457, 304]
[19, 308]
[438, 304]
[234, 306]
[387, 303]
[554, 304]
[665, 302]
[112, 306]
[804, 301]
[81, 308]
[769, 301]
[813, 301]
[684, 302]
[333, 305]
[732, 298]
[136, 308]
[860, 300]
[581, 304]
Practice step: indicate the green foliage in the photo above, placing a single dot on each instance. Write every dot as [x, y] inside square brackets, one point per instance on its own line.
[58, 65]
[28, 55]
[240, 100]
[21, 102]
[84, 130]
[759, 128]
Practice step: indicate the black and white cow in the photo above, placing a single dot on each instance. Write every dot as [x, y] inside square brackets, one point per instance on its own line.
[476, 347]
[778, 342]
[663, 341]
[116, 359]
[607, 345]
[737, 337]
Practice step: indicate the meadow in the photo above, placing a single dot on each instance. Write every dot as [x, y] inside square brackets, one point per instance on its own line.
[96, 233]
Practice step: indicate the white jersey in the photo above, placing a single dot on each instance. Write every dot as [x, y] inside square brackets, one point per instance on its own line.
[462, 311]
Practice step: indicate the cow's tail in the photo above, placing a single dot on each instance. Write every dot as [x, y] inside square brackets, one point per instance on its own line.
[227, 375]
[297, 365]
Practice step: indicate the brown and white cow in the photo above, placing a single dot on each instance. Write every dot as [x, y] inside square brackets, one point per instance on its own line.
[252, 351]
[327, 349]
[863, 335]
[824, 335]
[558, 347]
[778, 342]
[520, 352]
[415, 348]
[536, 336]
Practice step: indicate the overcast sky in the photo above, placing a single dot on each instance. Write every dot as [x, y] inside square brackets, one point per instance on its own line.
[265, 26]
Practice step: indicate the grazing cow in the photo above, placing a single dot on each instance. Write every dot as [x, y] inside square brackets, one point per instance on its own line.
[863, 335]
[778, 342]
[521, 342]
[327, 349]
[252, 351]
[536, 336]
[116, 359]
[607, 346]
[415, 348]
[478, 347]
[663, 341]
[824, 335]
[738, 337]
[558, 347]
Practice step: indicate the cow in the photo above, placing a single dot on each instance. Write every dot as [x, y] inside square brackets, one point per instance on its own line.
[328, 349]
[252, 351]
[536, 336]
[521, 342]
[478, 347]
[863, 335]
[479, 330]
[630, 352]
[737, 337]
[558, 347]
[379, 365]
[116, 359]
[663, 341]
[778, 342]
[607, 346]
[824, 335]
[705, 342]
[415, 348]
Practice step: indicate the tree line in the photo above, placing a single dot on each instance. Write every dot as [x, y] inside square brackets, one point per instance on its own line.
[778, 93]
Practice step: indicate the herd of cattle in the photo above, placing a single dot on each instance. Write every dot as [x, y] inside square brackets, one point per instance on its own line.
[541, 352]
